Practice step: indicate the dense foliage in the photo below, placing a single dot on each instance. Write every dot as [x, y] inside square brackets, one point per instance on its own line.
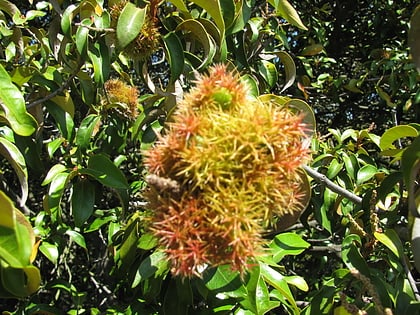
[103, 123]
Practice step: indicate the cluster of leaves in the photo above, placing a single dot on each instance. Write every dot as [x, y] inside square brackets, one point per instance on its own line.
[73, 131]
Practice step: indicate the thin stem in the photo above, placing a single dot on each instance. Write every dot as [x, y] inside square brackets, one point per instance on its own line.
[56, 92]
[96, 29]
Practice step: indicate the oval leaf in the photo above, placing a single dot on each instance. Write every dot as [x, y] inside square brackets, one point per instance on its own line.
[13, 106]
[175, 52]
[365, 173]
[16, 159]
[82, 201]
[395, 133]
[104, 171]
[129, 24]
[288, 12]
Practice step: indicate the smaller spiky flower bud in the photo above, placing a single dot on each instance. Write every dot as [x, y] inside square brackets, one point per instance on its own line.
[122, 96]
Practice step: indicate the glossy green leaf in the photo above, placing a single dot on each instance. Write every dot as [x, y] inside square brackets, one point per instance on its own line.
[129, 25]
[277, 280]
[224, 281]
[288, 12]
[214, 9]
[391, 240]
[17, 161]
[67, 19]
[63, 119]
[20, 282]
[54, 145]
[98, 54]
[152, 266]
[13, 108]
[82, 201]
[413, 37]
[287, 244]
[334, 168]
[289, 68]
[175, 54]
[268, 71]
[85, 132]
[365, 173]
[395, 133]
[147, 241]
[82, 36]
[198, 31]
[55, 193]
[9, 8]
[17, 238]
[50, 251]
[252, 84]
[54, 170]
[78, 238]
[312, 50]
[298, 282]
[101, 168]
[178, 297]
[351, 255]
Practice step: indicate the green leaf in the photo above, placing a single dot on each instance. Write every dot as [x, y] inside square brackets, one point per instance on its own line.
[82, 201]
[224, 281]
[413, 37]
[129, 24]
[214, 9]
[82, 35]
[178, 297]
[17, 161]
[78, 238]
[287, 244]
[98, 53]
[175, 52]
[268, 71]
[365, 173]
[278, 281]
[101, 168]
[16, 235]
[63, 119]
[312, 50]
[396, 133]
[147, 241]
[391, 240]
[351, 255]
[289, 68]
[67, 19]
[9, 8]
[55, 193]
[12, 106]
[286, 11]
[20, 282]
[153, 265]
[50, 251]
[85, 132]
[54, 170]
[334, 168]
[200, 33]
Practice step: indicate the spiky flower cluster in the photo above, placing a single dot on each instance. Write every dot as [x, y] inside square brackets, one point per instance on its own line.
[147, 41]
[225, 167]
[122, 96]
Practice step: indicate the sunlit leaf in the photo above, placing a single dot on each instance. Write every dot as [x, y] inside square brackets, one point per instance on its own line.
[395, 133]
[130, 22]
[268, 71]
[214, 9]
[365, 173]
[153, 265]
[82, 35]
[312, 50]
[101, 168]
[391, 240]
[13, 108]
[67, 18]
[85, 132]
[50, 251]
[287, 244]
[78, 238]
[288, 12]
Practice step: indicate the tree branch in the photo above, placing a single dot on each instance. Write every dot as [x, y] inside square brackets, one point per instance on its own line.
[321, 178]
[56, 92]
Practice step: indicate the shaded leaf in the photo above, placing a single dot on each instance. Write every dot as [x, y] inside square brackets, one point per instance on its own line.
[85, 132]
[82, 201]
[413, 37]
[391, 240]
[175, 53]
[17, 161]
